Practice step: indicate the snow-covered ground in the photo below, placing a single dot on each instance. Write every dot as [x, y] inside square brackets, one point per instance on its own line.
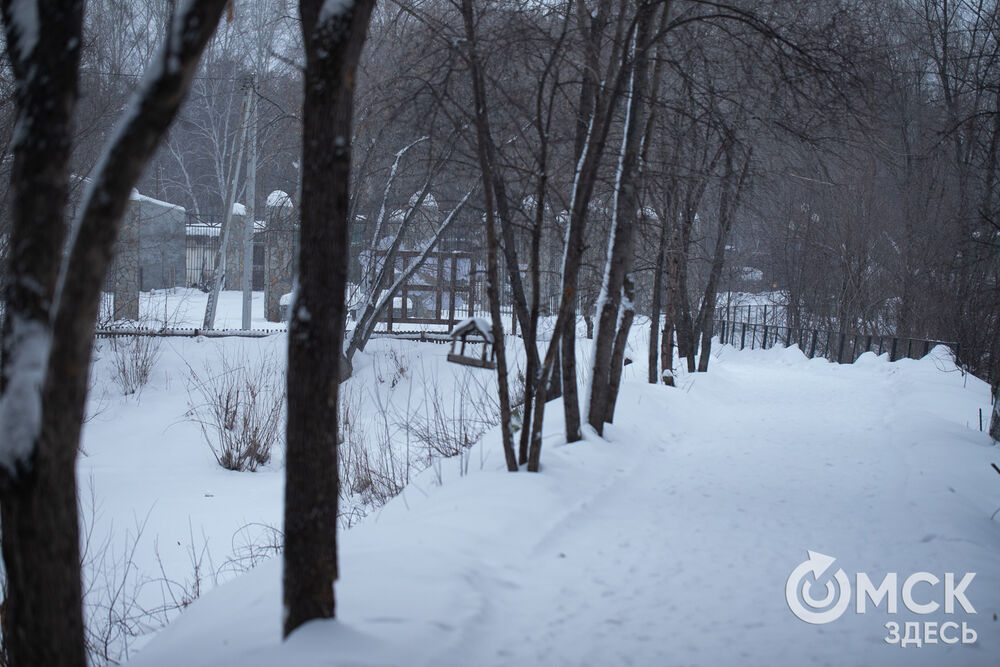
[670, 542]
[182, 307]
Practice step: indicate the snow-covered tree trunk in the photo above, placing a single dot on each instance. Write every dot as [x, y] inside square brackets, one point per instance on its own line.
[615, 311]
[375, 306]
[43, 623]
[377, 291]
[53, 299]
[617, 364]
[333, 33]
[594, 118]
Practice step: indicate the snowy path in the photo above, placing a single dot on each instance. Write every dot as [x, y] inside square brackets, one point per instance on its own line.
[669, 544]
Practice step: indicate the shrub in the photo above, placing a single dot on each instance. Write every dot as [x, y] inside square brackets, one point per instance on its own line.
[239, 404]
[133, 357]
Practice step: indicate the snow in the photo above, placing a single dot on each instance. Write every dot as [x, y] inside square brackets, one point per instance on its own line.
[21, 402]
[279, 199]
[23, 15]
[199, 229]
[670, 542]
[239, 209]
[429, 202]
[205, 229]
[483, 325]
[397, 303]
[184, 307]
[137, 196]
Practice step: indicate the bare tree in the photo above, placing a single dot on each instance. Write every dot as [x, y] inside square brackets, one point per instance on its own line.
[486, 154]
[333, 34]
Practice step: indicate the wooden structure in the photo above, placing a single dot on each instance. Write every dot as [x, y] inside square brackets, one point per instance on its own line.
[442, 288]
[481, 332]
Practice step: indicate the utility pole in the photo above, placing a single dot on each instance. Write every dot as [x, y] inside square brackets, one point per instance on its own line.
[251, 194]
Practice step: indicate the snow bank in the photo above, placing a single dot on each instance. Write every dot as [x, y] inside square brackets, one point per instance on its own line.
[669, 543]
[137, 196]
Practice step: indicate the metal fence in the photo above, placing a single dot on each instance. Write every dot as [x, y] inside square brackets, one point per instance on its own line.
[840, 346]
[201, 248]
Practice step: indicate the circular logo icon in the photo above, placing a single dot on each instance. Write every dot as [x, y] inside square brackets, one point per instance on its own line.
[827, 607]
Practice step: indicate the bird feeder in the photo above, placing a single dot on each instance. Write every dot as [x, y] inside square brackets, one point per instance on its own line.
[472, 332]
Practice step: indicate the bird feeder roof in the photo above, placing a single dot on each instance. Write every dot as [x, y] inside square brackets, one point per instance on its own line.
[480, 325]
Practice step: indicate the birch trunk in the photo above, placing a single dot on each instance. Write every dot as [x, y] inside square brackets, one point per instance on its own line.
[612, 307]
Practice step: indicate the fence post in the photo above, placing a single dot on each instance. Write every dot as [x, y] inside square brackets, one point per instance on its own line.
[812, 348]
[927, 347]
[868, 344]
[840, 348]
[892, 352]
[454, 292]
[909, 348]
[743, 336]
[788, 338]
[763, 344]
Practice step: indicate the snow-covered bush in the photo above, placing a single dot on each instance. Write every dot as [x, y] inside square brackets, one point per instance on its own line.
[133, 358]
[239, 403]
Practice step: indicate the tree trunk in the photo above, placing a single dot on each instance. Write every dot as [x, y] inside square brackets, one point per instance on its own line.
[685, 324]
[654, 315]
[617, 365]
[995, 417]
[611, 306]
[219, 274]
[728, 201]
[533, 377]
[333, 42]
[492, 243]
[509, 245]
[570, 387]
[594, 118]
[670, 311]
[44, 620]
[52, 304]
